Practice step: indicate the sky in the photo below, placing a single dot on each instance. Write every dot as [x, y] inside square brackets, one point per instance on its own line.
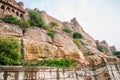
[99, 18]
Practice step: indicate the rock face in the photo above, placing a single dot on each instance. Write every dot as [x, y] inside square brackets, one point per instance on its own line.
[10, 30]
[73, 25]
[38, 45]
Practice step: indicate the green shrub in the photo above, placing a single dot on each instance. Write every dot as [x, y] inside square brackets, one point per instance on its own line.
[53, 24]
[77, 42]
[51, 34]
[5, 61]
[102, 49]
[10, 19]
[59, 63]
[35, 19]
[116, 53]
[9, 50]
[67, 30]
[87, 53]
[24, 24]
[46, 27]
[77, 35]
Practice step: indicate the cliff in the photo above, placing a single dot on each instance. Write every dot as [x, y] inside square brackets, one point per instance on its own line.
[37, 45]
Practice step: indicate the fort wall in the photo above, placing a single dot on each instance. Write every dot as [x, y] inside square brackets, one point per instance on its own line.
[11, 7]
[47, 18]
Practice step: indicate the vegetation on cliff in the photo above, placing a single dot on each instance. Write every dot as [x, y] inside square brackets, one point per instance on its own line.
[53, 25]
[67, 30]
[24, 24]
[10, 19]
[10, 55]
[58, 63]
[77, 42]
[116, 53]
[76, 38]
[102, 49]
[51, 34]
[9, 51]
[77, 35]
[35, 19]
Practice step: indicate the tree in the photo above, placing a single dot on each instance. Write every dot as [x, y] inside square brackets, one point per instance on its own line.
[77, 35]
[35, 19]
[52, 25]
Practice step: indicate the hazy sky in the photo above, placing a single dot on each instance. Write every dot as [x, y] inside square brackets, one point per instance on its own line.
[100, 18]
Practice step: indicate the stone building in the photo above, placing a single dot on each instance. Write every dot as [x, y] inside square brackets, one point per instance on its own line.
[11, 7]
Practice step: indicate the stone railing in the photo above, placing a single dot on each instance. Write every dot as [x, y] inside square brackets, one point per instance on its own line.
[105, 72]
[40, 73]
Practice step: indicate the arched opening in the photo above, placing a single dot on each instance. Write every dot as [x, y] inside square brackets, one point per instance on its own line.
[17, 13]
[13, 11]
[2, 7]
[21, 15]
[8, 9]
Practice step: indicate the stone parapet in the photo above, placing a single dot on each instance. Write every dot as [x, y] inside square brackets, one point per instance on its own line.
[106, 72]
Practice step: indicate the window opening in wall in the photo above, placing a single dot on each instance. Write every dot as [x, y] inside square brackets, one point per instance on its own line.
[17, 13]
[2, 7]
[13, 11]
[8, 9]
[21, 15]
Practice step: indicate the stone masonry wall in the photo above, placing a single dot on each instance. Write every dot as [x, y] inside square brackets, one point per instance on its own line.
[47, 18]
[73, 25]
[101, 72]
[11, 7]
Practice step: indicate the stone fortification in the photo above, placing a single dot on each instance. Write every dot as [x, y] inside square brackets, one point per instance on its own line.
[37, 45]
[100, 72]
[73, 25]
[47, 18]
[11, 7]
[103, 43]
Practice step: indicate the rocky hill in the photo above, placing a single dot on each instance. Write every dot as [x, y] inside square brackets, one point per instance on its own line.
[37, 45]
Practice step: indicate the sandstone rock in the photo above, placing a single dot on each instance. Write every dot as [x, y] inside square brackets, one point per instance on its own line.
[10, 30]
[38, 45]
[37, 34]
[38, 50]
